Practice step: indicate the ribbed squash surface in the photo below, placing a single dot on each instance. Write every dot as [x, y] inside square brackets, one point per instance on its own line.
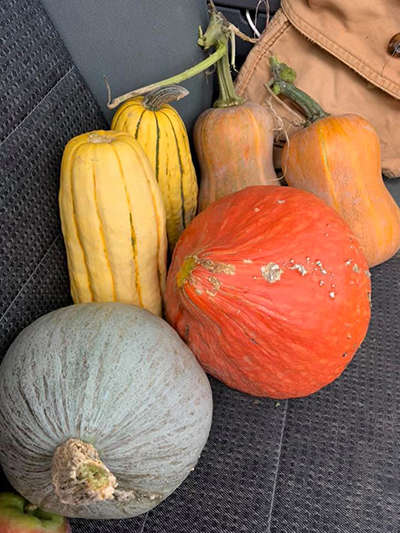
[163, 136]
[113, 221]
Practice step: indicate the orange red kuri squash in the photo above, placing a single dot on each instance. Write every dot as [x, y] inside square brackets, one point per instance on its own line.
[269, 288]
[338, 158]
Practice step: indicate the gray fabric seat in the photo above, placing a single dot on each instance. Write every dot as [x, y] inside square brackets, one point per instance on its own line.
[134, 43]
[327, 463]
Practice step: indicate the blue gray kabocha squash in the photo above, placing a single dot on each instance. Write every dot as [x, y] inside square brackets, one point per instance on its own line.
[104, 411]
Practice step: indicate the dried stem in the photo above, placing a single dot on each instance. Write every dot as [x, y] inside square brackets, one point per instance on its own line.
[164, 95]
[78, 475]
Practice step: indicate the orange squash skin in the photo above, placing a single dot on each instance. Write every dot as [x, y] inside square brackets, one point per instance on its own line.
[338, 159]
[270, 290]
[234, 149]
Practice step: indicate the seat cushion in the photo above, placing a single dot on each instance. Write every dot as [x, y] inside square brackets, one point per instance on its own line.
[44, 104]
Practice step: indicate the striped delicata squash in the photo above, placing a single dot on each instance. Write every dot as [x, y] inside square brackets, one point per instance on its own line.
[157, 126]
[113, 221]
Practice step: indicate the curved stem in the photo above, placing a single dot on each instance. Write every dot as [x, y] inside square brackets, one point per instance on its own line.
[78, 475]
[163, 95]
[282, 83]
[216, 35]
[221, 50]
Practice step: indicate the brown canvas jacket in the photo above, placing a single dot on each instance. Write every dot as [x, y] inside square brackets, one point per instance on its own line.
[339, 50]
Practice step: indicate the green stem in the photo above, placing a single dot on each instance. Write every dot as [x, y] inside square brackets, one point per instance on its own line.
[200, 67]
[227, 94]
[216, 35]
[282, 83]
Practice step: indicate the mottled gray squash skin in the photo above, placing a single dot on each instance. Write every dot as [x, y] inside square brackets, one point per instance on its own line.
[114, 376]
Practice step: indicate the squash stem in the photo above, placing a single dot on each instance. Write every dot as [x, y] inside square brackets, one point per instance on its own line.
[78, 475]
[220, 51]
[227, 94]
[282, 82]
[163, 95]
[216, 36]
[217, 32]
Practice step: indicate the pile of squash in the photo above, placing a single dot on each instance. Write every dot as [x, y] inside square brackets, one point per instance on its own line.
[267, 285]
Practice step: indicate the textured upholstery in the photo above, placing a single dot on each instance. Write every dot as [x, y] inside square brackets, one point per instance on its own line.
[44, 104]
[324, 464]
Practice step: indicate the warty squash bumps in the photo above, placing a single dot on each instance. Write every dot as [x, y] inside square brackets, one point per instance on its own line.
[113, 221]
[338, 158]
[271, 292]
[159, 129]
[104, 411]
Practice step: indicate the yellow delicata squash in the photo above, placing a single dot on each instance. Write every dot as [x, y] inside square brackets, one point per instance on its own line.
[113, 221]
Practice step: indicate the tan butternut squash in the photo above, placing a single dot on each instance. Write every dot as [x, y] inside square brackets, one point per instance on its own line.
[234, 139]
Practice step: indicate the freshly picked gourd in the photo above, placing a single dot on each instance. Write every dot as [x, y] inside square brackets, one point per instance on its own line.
[104, 411]
[113, 221]
[159, 129]
[234, 139]
[338, 158]
[270, 290]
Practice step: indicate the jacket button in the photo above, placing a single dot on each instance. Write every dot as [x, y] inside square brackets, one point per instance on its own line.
[394, 45]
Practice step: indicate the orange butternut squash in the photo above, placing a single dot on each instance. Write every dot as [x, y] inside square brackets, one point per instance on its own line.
[338, 159]
[234, 148]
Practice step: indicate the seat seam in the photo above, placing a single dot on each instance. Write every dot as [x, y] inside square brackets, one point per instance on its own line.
[277, 468]
[29, 279]
[37, 105]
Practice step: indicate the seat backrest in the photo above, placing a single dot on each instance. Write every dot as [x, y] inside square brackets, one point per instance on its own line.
[135, 43]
